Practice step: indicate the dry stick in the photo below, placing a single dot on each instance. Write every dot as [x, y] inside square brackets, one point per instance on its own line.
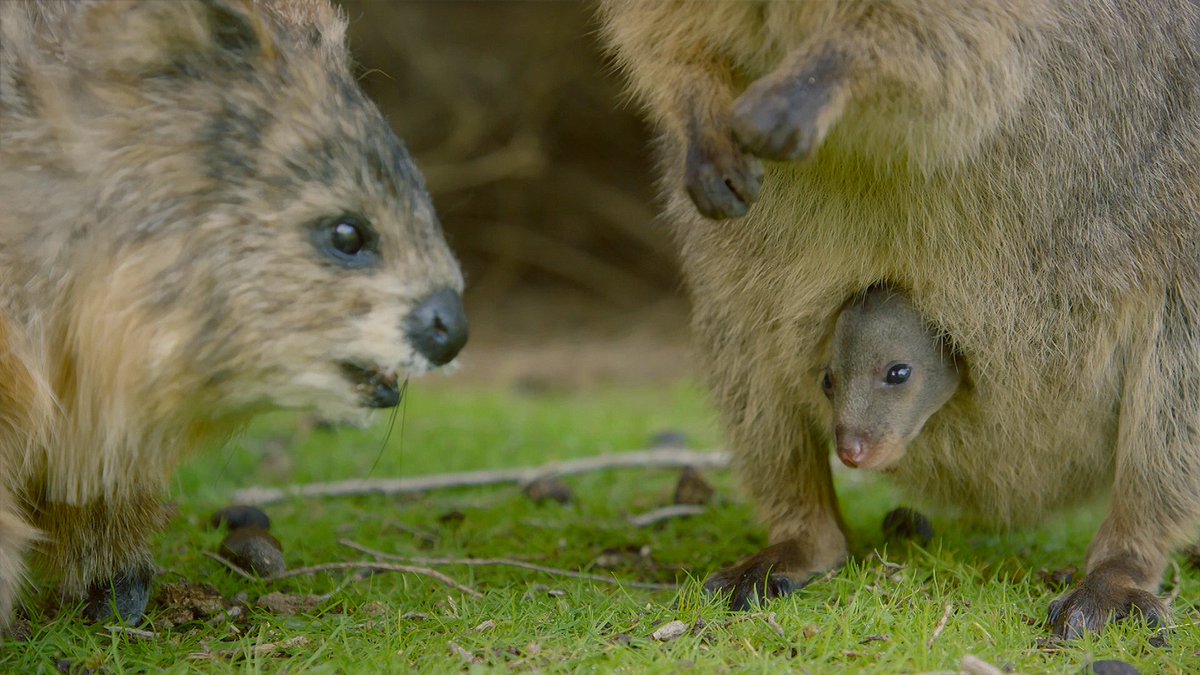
[505, 562]
[666, 513]
[775, 625]
[937, 631]
[328, 567]
[135, 632]
[1174, 594]
[974, 665]
[666, 458]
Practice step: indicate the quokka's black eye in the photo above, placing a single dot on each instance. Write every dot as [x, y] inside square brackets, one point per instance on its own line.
[898, 374]
[827, 382]
[348, 239]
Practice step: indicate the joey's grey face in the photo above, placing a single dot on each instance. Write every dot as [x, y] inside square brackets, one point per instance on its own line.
[888, 374]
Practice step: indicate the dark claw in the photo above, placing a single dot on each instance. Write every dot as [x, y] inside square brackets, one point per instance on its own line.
[721, 180]
[787, 118]
[1098, 601]
[751, 591]
[760, 578]
[126, 595]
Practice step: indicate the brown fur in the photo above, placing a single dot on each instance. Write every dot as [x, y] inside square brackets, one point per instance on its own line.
[1027, 169]
[874, 418]
[164, 168]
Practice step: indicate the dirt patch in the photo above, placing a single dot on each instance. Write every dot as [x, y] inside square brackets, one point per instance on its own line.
[177, 604]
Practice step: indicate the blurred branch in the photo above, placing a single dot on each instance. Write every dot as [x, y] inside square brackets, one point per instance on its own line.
[572, 263]
[507, 562]
[522, 157]
[666, 458]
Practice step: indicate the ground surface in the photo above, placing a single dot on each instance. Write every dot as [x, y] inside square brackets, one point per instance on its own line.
[877, 615]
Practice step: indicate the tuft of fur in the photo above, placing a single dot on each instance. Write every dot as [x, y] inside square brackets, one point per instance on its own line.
[165, 169]
[1027, 169]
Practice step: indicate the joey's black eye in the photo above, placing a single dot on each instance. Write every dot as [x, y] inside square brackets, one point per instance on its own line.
[348, 239]
[898, 373]
[827, 382]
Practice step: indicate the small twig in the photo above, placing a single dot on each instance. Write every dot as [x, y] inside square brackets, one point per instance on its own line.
[257, 651]
[1174, 594]
[666, 513]
[135, 632]
[328, 567]
[461, 653]
[231, 565]
[941, 626]
[375, 567]
[505, 562]
[665, 458]
[891, 567]
[775, 625]
[977, 666]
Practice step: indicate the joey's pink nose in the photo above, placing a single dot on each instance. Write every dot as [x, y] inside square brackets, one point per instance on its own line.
[852, 449]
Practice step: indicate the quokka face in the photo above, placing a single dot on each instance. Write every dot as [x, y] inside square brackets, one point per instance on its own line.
[204, 218]
[249, 206]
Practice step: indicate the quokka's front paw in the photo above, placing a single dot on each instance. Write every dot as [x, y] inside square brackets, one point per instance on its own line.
[787, 114]
[721, 180]
[124, 596]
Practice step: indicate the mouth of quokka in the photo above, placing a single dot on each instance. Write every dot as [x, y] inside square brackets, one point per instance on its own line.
[376, 387]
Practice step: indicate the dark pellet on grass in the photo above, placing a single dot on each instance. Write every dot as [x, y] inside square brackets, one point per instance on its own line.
[239, 516]
[546, 489]
[452, 517]
[692, 488]
[669, 438]
[1111, 667]
[254, 550]
[1059, 579]
[905, 524]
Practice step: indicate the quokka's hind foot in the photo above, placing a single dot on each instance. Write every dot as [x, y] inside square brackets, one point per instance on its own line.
[122, 598]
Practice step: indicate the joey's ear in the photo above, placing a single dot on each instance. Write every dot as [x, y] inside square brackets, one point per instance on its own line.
[146, 37]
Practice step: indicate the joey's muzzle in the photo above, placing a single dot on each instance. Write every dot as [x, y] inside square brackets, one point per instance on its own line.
[437, 327]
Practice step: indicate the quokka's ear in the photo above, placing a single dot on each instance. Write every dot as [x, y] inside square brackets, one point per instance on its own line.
[145, 37]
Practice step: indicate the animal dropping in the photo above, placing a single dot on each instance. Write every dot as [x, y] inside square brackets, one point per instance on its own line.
[204, 218]
[1028, 171]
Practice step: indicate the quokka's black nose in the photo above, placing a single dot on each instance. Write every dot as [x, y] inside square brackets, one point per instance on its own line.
[438, 326]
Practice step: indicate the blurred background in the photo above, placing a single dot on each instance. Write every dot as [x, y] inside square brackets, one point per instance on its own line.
[542, 174]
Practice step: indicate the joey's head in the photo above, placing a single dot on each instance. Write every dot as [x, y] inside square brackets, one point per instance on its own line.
[888, 374]
[260, 222]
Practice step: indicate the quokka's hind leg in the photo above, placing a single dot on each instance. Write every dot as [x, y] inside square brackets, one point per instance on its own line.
[1156, 499]
[100, 551]
[16, 536]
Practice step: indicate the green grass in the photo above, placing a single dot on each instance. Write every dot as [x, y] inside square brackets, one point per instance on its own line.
[869, 617]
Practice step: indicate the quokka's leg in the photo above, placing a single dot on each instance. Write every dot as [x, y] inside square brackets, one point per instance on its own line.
[100, 551]
[1156, 497]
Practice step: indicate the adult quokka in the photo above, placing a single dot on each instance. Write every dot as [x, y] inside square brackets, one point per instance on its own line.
[204, 218]
[1029, 170]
